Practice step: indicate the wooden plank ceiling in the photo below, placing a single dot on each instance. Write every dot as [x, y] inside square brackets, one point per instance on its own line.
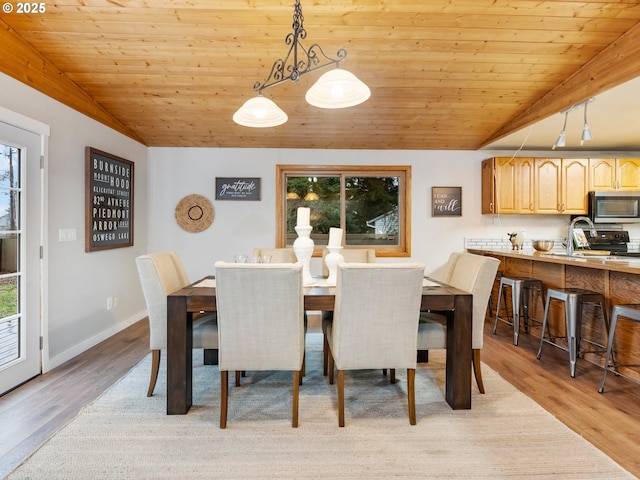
[444, 74]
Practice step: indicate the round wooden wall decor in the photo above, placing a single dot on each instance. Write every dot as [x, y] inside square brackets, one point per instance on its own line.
[194, 213]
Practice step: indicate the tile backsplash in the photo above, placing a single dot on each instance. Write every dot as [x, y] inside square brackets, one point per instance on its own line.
[500, 243]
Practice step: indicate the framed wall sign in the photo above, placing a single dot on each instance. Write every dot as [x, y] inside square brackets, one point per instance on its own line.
[446, 201]
[108, 201]
[237, 188]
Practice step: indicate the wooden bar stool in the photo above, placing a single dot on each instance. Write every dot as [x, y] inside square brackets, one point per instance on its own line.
[574, 300]
[521, 293]
[629, 313]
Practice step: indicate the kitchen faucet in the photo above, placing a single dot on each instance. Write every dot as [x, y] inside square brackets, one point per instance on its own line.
[570, 232]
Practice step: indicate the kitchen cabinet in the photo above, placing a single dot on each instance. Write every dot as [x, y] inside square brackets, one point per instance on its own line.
[488, 192]
[525, 200]
[608, 174]
[561, 186]
[507, 185]
[527, 185]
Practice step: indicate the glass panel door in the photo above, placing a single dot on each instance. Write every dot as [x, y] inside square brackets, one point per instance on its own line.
[20, 191]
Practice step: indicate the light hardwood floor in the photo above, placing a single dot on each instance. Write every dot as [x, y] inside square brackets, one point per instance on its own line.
[35, 411]
[611, 421]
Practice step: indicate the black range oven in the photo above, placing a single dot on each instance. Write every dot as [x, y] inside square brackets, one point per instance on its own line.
[615, 241]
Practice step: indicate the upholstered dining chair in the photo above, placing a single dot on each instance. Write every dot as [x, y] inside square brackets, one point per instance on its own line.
[278, 255]
[474, 274]
[161, 274]
[260, 323]
[375, 323]
[351, 255]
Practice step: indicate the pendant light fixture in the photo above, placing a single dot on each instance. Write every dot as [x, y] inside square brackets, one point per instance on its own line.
[337, 88]
[561, 141]
[586, 131]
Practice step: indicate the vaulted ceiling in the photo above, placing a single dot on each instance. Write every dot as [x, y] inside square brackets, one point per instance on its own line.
[444, 74]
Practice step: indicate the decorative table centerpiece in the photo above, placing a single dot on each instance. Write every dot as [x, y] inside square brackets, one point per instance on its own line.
[334, 256]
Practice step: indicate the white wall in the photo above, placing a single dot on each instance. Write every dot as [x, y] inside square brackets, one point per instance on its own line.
[79, 282]
[239, 226]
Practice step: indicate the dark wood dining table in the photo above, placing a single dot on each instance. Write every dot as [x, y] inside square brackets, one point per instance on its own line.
[182, 304]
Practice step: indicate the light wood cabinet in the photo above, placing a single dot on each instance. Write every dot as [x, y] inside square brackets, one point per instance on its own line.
[507, 185]
[488, 186]
[575, 186]
[526, 185]
[561, 186]
[525, 198]
[608, 174]
[548, 178]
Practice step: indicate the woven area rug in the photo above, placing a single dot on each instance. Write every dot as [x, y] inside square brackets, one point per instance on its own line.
[125, 435]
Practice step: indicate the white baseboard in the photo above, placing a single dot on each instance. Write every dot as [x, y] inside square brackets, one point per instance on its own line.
[91, 342]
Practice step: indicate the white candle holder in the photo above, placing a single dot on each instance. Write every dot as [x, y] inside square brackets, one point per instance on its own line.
[303, 248]
[333, 258]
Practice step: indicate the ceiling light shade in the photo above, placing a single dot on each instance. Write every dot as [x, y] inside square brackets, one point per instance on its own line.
[586, 133]
[561, 141]
[337, 88]
[259, 112]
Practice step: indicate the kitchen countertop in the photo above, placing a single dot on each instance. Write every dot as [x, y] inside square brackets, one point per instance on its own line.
[614, 264]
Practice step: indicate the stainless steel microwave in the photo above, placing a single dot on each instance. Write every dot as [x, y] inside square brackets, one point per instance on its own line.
[614, 207]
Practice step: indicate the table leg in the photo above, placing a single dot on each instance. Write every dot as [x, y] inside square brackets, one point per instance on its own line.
[179, 356]
[459, 354]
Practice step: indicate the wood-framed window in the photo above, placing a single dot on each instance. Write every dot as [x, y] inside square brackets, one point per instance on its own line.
[370, 203]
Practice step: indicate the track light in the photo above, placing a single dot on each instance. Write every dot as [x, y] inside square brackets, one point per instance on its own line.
[586, 131]
[562, 139]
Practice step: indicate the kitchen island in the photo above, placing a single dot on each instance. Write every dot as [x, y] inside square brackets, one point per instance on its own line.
[618, 278]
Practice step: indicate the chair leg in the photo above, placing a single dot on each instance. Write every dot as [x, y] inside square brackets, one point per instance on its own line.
[476, 369]
[304, 368]
[411, 392]
[393, 375]
[607, 358]
[495, 324]
[224, 394]
[155, 367]
[331, 367]
[238, 375]
[325, 354]
[341, 398]
[297, 380]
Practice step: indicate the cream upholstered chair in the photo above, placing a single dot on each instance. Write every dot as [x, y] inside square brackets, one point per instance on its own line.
[474, 274]
[161, 274]
[351, 255]
[375, 322]
[261, 323]
[278, 255]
